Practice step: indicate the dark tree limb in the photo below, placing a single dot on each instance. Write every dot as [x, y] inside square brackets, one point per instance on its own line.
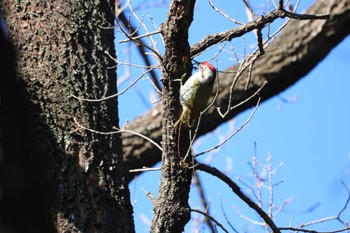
[237, 190]
[299, 48]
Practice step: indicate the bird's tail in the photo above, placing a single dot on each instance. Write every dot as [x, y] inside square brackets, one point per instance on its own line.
[184, 118]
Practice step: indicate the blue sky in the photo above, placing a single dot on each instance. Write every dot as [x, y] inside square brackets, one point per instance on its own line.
[310, 135]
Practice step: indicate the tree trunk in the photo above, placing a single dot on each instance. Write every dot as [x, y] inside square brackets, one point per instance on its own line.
[171, 210]
[300, 47]
[61, 48]
[22, 171]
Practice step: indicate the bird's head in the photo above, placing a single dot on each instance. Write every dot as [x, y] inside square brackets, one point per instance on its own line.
[208, 72]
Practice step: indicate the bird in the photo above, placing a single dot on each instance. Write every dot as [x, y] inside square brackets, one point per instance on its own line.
[195, 93]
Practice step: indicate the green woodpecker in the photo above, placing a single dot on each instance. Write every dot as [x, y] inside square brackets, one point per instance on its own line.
[195, 93]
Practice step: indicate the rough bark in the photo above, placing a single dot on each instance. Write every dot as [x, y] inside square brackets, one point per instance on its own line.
[171, 210]
[22, 173]
[299, 48]
[61, 49]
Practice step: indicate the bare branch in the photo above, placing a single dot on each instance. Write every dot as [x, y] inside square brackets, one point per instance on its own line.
[150, 196]
[116, 94]
[121, 16]
[117, 131]
[248, 7]
[280, 5]
[138, 37]
[247, 62]
[234, 133]
[257, 23]
[204, 202]
[140, 42]
[304, 16]
[260, 41]
[254, 222]
[236, 189]
[250, 71]
[225, 216]
[312, 231]
[144, 26]
[224, 14]
[337, 217]
[258, 182]
[346, 203]
[145, 169]
[211, 218]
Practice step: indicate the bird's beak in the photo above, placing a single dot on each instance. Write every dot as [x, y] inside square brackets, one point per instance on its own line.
[198, 64]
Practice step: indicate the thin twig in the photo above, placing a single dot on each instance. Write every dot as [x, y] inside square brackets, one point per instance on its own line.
[254, 222]
[258, 180]
[248, 63]
[224, 14]
[204, 202]
[225, 216]
[138, 37]
[116, 94]
[293, 15]
[249, 187]
[150, 196]
[270, 172]
[135, 65]
[319, 221]
[311, 231]
[249, 8]
[145, 28]
[347, 201]
[284, 204]
[117, 131]
[242, 67]
[140, 42]
[145, 169]
[234, 133]
[211, 218]
[301, 227]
